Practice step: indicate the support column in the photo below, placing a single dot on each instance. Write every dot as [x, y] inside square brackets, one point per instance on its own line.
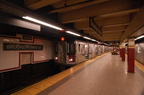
[123, 51]
[120, 51]
[131, 54]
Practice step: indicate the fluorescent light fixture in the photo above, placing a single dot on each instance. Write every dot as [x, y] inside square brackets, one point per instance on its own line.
[41, 22]
[139, 37]
[106, 44]
[73, 33]
[93, 40]
[87, 38]
[90, 39]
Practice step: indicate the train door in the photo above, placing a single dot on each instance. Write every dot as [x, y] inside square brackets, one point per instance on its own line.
[99, 49]
[61, 51]
[91, 50]
[86, 51]
[102, 49]
[96, 50]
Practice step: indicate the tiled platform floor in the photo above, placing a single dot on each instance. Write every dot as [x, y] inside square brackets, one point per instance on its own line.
[104, 76]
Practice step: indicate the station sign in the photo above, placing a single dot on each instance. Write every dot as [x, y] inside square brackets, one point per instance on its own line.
[16, 46]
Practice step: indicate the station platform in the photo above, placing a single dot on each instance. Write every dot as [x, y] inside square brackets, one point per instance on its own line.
[103, 75]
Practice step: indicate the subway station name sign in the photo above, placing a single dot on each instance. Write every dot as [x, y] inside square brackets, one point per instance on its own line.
[15, 46]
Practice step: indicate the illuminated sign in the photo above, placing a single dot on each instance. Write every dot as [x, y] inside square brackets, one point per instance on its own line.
[15, 46]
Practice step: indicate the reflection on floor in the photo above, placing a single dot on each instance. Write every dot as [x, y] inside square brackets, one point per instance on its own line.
[107, 77]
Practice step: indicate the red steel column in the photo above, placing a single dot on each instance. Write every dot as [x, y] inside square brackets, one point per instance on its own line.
[120, 52]
[123, 51]
[131, 54]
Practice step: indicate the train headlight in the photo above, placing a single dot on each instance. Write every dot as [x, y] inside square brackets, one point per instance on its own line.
[56, 58]
[70, 60]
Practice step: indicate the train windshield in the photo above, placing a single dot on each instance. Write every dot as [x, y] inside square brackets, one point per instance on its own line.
[71, 48]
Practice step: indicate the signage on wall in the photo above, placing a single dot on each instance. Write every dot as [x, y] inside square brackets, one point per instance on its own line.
[27, 37]
[16, 46]
[94, 26]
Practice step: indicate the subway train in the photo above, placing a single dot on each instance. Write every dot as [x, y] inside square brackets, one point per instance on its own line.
[72, 53]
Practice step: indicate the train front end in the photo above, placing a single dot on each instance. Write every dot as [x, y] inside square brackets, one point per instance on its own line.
[65, 53]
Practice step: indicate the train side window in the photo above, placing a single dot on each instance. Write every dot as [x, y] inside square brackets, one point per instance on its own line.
[79, 47]
[83, 49]
[56, 48]
[90, 48]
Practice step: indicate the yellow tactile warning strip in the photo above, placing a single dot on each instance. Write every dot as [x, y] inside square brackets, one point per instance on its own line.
[42, 85]
[139, 65]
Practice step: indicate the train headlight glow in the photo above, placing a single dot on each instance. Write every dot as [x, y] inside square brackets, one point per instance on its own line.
[56, 58]
[70, 60]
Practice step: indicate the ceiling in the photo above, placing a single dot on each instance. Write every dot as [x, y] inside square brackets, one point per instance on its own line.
[113, 19]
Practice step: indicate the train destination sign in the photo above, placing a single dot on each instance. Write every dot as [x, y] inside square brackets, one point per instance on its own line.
[16, 46]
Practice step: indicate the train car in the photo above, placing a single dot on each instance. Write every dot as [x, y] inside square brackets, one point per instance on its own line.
[72, 53]
[139, 52]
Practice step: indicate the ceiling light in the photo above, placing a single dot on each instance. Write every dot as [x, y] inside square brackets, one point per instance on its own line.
[139, 37]
[106, 44]
[90, 39]
[87, 38]
[41, 22]
[73, 33]
[93, 40]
